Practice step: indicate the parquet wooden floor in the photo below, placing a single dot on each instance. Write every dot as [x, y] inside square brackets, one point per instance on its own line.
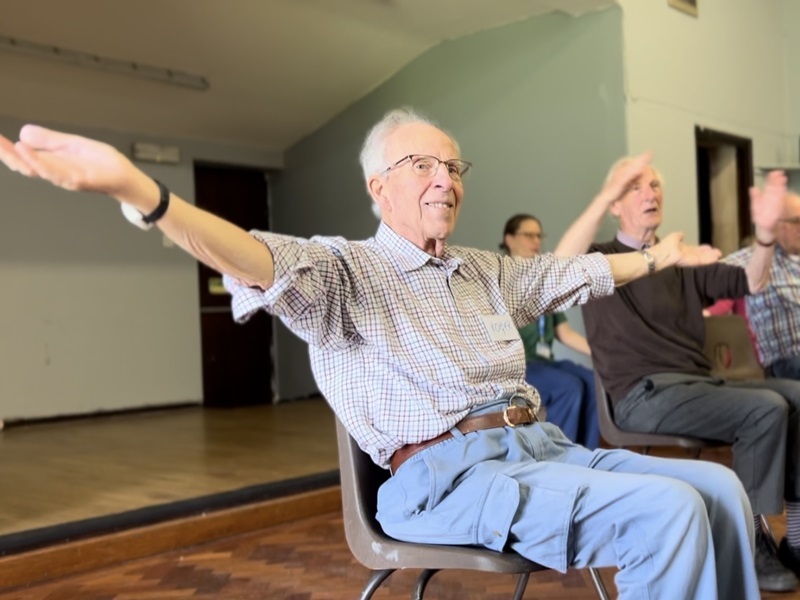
[303, 560]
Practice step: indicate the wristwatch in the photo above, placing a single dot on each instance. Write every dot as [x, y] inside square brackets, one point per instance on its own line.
[651, 262]
[145, 222]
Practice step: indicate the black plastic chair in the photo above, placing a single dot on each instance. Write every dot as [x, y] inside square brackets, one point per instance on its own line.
[360, 479]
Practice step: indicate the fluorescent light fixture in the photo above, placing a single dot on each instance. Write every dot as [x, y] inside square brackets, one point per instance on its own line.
[113, 65]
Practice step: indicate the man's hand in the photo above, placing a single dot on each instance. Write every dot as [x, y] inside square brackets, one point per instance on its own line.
[68, 161]
[77, 163]
[671, 251]
[579, 235]
[622, 177]
[766, 206]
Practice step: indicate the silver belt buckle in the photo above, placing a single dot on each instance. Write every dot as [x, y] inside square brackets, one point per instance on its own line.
[522, 403]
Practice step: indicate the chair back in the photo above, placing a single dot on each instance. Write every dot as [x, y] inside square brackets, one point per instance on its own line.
[360, 480]
[730, 349]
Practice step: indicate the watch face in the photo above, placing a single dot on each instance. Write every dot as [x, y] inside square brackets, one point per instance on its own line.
[651, 262]
[135, 217]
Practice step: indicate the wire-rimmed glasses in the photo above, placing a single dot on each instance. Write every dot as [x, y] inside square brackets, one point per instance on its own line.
[425, 165]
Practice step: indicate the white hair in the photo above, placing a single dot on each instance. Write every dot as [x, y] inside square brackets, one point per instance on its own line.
[373, 151]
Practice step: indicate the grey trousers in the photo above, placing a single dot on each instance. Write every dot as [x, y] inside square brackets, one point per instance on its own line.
[761, 419]
[787, 368]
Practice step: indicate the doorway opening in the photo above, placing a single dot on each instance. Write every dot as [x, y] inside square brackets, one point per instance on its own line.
[724, 177]
[238, 365]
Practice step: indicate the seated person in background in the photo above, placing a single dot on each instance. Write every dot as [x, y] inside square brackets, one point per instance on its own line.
[774, 312]
[414, 344]
[648, 348]
[566, 388]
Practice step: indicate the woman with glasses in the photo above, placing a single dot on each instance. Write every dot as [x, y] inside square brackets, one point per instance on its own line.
[566, 388]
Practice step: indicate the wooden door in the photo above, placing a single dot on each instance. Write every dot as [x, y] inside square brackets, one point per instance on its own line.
[237, 358]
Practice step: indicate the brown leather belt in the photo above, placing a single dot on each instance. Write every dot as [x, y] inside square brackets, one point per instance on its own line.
[511, 416]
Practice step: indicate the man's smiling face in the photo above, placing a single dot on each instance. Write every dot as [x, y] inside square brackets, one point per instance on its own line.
[423, 209]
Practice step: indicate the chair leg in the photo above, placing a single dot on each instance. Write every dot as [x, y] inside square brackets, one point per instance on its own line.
[376, 578]
[768, 531]
[422, 582]
[522, 583]
[599, 586]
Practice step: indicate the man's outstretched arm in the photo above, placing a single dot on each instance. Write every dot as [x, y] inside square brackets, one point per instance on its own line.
[766, 207]
[669, 252]
[80, 164]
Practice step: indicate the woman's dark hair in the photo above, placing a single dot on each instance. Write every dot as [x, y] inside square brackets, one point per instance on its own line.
[512, 226]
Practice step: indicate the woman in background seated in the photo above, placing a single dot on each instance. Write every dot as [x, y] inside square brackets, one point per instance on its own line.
[566, 388]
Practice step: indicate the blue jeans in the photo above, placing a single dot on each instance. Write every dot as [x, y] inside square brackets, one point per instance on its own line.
[674, 528]
[567, 390]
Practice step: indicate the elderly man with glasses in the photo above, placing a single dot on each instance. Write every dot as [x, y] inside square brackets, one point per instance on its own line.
[414, 343]
[774, 317]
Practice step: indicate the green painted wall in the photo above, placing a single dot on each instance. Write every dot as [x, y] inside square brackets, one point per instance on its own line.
[538, 106]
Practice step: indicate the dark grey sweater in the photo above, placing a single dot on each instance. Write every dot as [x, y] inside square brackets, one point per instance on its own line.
[655, 324]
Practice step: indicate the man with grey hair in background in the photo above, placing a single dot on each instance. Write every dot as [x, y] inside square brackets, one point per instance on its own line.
[647, 345]
[414, 344]
[774, 318]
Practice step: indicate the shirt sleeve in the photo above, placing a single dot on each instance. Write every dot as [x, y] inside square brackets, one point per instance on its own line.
[549, 283]
[740, 258]
[720, 280]
[311, 291]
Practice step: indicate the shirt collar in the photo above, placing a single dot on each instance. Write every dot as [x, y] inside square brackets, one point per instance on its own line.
[409, 256]
[783, 255]
[630, 241]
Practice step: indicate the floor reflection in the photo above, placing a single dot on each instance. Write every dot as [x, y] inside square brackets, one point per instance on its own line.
[67, 471]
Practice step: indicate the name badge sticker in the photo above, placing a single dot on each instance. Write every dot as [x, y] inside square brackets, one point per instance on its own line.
[544, 351]
[500, 327]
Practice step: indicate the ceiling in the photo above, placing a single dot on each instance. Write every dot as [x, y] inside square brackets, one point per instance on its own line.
[278, 69]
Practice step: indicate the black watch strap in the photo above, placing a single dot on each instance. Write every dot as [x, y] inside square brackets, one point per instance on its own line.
[163, 205]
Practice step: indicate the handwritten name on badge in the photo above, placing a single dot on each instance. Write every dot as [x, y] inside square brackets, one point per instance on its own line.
[500, 327]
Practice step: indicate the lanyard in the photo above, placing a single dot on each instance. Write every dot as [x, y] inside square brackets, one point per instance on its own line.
[541, 328]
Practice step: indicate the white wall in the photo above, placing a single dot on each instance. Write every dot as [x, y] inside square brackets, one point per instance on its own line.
[791, 38]
[724, 70]
[96, 314]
